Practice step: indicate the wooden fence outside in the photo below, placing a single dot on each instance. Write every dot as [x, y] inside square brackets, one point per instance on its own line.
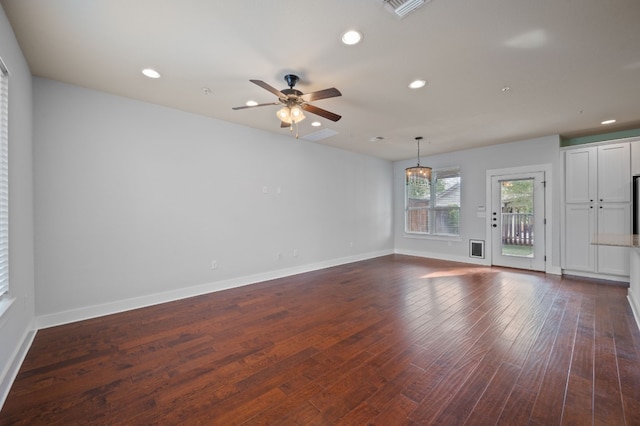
[517, 229]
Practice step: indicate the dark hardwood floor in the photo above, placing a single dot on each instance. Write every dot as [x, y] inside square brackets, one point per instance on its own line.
[393, 340]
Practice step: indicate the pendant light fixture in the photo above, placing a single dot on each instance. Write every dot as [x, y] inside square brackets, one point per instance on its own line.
[418, 174]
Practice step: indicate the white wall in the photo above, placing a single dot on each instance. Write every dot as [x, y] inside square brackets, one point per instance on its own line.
[134, 201]
[16, 308]
[474, 164]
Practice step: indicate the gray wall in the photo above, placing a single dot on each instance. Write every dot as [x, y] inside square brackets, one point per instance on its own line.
[16, 320]
[135, 201]
[474, 164]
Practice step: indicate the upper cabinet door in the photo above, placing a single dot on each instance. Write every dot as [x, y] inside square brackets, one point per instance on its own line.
[581, 175]
[614, 173]
[635, 158]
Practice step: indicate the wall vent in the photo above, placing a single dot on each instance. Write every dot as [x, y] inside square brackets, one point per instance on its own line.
[401, 8]
[476, 248]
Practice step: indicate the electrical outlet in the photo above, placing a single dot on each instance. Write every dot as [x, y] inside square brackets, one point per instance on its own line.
[214, 264]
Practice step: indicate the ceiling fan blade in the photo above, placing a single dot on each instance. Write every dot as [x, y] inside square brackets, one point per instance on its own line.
[269, 88]
[321, 112]
[321, 94]
[254, 106]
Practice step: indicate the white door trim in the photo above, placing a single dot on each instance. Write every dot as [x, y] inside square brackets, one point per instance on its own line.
[548, 198]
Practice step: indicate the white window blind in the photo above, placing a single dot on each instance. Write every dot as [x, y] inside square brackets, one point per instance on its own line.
[4, 179]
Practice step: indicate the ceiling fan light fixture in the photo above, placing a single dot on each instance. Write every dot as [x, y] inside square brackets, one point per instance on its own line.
[296, 114]
[291, 114]
[284, 114]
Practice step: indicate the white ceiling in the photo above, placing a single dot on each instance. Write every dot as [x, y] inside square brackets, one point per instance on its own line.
[569, 64]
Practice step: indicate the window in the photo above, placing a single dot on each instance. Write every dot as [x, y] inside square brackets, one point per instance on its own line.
[440, 217]
[4, 179]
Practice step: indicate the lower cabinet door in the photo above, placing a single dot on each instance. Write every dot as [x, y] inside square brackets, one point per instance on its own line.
[580, 226]
[614, 218]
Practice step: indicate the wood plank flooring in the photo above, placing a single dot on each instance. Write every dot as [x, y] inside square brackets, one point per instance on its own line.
[393, 340]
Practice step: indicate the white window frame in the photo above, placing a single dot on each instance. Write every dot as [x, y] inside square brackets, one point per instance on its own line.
[433, 207]
[4, 179]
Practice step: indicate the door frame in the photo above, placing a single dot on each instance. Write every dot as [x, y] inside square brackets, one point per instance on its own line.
[548, 229]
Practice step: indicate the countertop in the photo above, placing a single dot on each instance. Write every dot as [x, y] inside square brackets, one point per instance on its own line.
[619, 240]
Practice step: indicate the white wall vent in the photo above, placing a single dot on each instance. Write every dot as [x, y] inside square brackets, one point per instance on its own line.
[476, 248]
[401, 8]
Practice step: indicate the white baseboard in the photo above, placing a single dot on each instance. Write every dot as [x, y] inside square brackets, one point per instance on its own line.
[11, 371]
[80, 314]
[616, 278]
[439, 256]
[634, 307]
[554, 270]
[475, 261]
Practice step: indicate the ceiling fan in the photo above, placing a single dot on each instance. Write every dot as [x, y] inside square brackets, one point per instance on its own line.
[294, 101]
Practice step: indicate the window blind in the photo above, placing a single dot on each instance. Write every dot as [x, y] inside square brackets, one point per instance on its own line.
[4, 179]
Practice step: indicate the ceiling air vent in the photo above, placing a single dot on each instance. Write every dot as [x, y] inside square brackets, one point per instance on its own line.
[319, 135]
[401, 8]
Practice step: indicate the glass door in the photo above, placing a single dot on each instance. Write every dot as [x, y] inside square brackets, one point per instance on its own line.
[517, 221]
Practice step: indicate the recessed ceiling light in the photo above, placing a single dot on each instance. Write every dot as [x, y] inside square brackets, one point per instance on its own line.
[351, 37]
[506, 88]
[151, 73]
[608, 121]
[251, 103]
[416, 84]
[316, 124]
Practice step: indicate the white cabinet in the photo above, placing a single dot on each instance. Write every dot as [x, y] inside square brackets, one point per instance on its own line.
[614, 173]
[581, 175]
[597, 201]
[635, 158]
[580, 225]
[614, 218]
